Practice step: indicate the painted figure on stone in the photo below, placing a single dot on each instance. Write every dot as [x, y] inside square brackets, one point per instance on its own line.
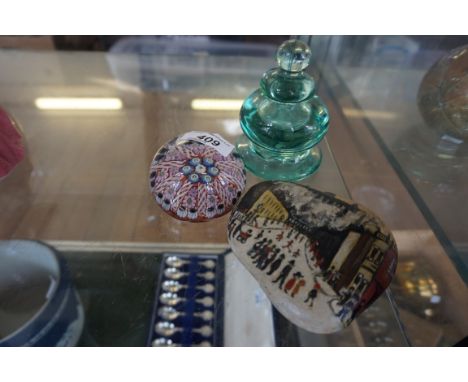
[284, 273]
[276, 264]
[297, 287]
[244, 235]
[270, 259]
[312, 295]
[290, 283]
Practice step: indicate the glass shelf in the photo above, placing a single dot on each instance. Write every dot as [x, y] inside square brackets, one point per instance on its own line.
[407, 171]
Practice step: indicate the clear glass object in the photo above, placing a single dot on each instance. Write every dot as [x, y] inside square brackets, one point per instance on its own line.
[284, 120]
[443, 94]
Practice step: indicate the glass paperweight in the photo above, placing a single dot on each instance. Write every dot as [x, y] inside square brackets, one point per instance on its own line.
[11, 144]
[196, 177]
[443, 94]
[284, 120]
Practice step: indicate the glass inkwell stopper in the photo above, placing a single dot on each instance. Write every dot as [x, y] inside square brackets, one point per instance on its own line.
[284, 120]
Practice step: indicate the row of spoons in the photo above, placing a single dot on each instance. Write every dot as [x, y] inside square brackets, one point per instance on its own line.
[173, 306]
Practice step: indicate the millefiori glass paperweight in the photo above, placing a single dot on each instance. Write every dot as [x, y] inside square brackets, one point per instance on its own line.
[284, 120]
[197, 177]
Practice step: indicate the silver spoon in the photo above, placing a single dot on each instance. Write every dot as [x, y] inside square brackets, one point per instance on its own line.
[175, 274]
[207, 288]
[163, 342]
[205, 331]
[205, 301]
[174, 261]
[166, 342]
[206, 315]
[168, 329]
[207, 275]
[210, 264]
[177, 262]
[172, 299]
[174, 286]
[204, 344]
[170, 314]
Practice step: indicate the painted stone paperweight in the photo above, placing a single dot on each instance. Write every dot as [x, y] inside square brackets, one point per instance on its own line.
[284, 120]
[320, 259]
[196, 177]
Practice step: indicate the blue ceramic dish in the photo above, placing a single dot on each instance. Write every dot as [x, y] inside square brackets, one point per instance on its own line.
[38, 304]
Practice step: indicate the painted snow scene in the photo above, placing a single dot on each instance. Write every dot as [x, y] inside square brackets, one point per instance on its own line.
[320, 259]
[194, 182]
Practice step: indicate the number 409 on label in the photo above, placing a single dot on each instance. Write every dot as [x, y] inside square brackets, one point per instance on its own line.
[208, 139]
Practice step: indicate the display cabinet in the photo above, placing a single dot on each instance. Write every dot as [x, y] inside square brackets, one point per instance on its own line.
[83, 188]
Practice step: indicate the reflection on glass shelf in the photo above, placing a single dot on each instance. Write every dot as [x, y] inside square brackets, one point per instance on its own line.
[375, 114]
[216, 104]
[78, 103]
[374, 327]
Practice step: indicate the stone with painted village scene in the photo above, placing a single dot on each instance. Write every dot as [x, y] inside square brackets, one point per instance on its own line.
[320, 259]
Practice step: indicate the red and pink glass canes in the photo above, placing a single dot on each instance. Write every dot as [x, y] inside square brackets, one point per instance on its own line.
[11, 144]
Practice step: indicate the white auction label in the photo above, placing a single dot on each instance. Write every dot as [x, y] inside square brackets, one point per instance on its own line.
[210, 139]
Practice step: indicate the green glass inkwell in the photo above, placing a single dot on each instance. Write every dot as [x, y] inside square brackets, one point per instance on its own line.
[284, 120]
